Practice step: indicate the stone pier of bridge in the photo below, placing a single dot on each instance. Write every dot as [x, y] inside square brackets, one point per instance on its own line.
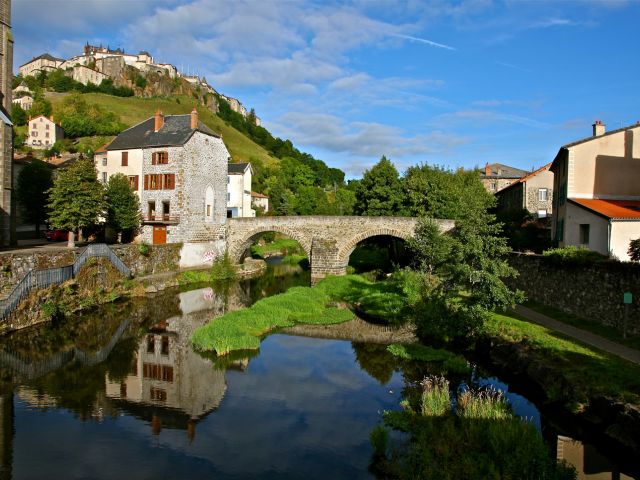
[327, 240]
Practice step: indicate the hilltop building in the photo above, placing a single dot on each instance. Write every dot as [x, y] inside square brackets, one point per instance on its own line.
[41, 63]
[596, 200]
[239, 191]
[43, 132]
[260, 200]
[7, 207]
[533, 192]
[497, 176]
[178, 168]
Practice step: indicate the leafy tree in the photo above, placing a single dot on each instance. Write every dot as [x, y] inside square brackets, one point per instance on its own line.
[18, 115]
[380, 191]
[464, 275]
[123, 207]
[34, 181]
[76, 198]
[79, 119]
[41, 106]
[435, 192]
[59, 82]
[634, 250]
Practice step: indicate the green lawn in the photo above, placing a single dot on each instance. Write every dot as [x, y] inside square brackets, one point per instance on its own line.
[588, 371]
[591, 326]
[133, 110]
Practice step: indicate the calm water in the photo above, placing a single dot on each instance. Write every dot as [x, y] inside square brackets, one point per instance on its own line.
[120, 394]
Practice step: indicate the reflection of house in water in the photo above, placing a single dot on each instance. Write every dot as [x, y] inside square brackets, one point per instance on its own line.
[169, 384]
[589, 464]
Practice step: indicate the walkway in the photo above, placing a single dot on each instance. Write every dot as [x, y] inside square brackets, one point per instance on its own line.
[583, 336]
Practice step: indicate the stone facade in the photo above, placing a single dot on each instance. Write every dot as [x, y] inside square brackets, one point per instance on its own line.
[86, 75]
[595, 292]
[533, 192]
[7, 230]
[327, 241]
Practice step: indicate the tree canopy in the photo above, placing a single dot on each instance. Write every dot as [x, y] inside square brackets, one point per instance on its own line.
[380, 191]
[123, 207]
[76, 198]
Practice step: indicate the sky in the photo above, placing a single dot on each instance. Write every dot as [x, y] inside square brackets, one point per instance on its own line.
[450, 83]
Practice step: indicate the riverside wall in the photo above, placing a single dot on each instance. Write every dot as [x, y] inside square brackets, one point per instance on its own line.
[593, 292]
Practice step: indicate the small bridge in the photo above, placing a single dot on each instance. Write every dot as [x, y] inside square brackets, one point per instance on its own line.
[328, 241]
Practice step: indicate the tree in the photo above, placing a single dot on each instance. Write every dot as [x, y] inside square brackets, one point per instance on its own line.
[634, 250]
[41, 106]
[380, 191]
[76, 198]
[34, 181]
[18, 115]
[123, 207]
[464, 274]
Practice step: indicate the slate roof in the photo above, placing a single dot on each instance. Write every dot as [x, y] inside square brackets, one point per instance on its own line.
[498, 170]
[175, 132]
[527, 177]
[613, 209]
[44, 56]
[238, 168]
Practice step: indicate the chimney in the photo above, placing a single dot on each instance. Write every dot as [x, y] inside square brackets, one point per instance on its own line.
[159, 121]
[598, 128]
[194, 118]
[487, 169]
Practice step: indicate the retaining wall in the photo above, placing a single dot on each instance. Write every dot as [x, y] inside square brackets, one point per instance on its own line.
[594, 292]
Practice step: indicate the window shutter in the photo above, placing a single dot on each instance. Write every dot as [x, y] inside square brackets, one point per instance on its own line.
[146, 182]
[153, 158]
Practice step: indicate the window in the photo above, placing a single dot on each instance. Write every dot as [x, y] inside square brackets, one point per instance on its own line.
[151, 344]
[228, 180]
[542, 214]
[46, 134]
[160, 181]
[125, 159]
[158, 394]
[166, 209]
[208, 210]
[543, 194]
[34, 133]
[104, 177]
[104, 162]
[47, 127]
[584, 234]
[164, 350]
[157, 372]
[133, 182]
[169, 181]
[159, 158]
[152, 210]
[228, 197]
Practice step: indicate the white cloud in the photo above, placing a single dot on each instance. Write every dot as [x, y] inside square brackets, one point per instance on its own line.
[489, 116]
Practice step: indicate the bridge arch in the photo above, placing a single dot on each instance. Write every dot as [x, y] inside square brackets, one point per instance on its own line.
[350, 245]
[247, 240]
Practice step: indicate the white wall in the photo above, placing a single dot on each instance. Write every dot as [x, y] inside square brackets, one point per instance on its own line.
[598, 229]
[622, 232]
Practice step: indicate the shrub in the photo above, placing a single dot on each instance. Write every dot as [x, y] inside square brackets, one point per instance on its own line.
[572, 255]
[435, 400]
[223, 268]
[634, 250]
[144, 249]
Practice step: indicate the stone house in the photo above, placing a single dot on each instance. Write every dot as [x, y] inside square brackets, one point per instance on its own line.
[596, 199]
[533, 192]
[239, 191]
[42, 63]
[86, 75]
[178, 168]
[497, 176]
[260, 200]
[43, 132]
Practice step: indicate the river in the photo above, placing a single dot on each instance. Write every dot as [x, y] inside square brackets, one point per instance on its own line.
[119, 393]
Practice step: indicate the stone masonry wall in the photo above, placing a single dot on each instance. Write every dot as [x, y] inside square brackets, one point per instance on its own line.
[14, 266]
[592, 292]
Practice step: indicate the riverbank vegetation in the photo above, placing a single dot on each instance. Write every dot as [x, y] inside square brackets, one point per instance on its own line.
[480, 438]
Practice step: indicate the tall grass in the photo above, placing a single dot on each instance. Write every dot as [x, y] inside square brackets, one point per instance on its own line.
[435, 400]
[484, 404]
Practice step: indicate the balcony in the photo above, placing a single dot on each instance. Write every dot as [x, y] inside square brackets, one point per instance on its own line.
[160, 219]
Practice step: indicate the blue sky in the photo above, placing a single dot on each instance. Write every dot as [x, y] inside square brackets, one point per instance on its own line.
[454, 83]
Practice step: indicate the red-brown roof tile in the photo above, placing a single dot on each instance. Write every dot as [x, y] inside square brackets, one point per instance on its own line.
[615, 209]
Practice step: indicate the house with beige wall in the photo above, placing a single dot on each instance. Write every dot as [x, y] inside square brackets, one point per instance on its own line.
[43, 63]
[43, 132]
[86, 75]
[259, 200]
[239, 191]
[25, 102]
[597, 191]
[533, 192]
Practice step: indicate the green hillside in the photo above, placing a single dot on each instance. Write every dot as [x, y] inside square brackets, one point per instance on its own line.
[133, 110]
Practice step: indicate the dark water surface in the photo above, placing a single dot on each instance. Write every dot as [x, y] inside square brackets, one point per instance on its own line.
[119, 393]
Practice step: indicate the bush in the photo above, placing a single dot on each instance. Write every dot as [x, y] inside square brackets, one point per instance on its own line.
[223, 268]
[634, 250]
[572, 255]
[144, 249]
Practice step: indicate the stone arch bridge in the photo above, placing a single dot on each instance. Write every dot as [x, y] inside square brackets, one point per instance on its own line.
[328, 241]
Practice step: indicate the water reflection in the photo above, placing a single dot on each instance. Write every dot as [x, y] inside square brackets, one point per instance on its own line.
[588, 462]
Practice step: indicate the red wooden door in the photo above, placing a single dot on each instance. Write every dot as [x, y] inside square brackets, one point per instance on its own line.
[159, 234]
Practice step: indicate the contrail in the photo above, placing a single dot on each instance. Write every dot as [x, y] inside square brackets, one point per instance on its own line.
[423, 40]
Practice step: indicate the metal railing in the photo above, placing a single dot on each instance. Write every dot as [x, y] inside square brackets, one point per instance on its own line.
[57, 275]
[160, 218]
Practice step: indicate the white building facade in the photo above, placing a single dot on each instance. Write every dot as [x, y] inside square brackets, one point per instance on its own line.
[43, 132]
[239, 191]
